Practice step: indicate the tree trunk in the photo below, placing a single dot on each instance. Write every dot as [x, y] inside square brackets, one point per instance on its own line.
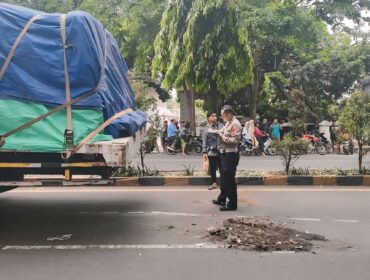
[360, 156]
[253, 102]
[212, 100]
[252, 91]
[189, 99]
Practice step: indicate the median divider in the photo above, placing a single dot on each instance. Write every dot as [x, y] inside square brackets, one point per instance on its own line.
[325, 180]
[349, 180]
[172, 181]
[366, 180]
[275, 181]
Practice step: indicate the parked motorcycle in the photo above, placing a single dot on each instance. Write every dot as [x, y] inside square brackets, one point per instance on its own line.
[315, 144]
[347, 147]
[326, 143]
[194, 145]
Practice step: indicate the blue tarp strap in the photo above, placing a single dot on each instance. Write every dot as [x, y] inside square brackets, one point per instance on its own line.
[68, 154]
[66, 75]
[15, 45]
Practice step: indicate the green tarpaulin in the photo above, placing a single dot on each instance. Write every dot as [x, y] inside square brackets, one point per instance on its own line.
[47, 135]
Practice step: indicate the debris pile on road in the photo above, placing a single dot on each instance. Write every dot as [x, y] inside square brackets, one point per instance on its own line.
[254, 234]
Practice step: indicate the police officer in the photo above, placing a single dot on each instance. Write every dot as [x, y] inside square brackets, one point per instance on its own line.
[230, 136]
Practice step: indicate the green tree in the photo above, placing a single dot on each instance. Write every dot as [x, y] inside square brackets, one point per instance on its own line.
[134, 24]
[50, 6]
[281, 33]
[329, 74]
[355, 118]
[290, 149]
[334, 12]
[203, 48]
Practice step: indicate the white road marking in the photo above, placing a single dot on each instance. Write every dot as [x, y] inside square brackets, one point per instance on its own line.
[179, 214]
[246, 189]
[113, 247]
[137, 212]
[59, 237]
[306, 219]
[346, 221]
[282, 252]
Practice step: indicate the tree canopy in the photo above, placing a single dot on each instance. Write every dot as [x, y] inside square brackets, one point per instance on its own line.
[255, 54]
[203, 45]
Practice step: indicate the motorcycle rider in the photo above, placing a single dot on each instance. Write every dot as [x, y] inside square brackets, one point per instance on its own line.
[260, 137]
[173, 135]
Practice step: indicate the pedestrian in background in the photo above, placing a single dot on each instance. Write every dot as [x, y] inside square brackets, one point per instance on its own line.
[334, 136]
[211, 152]
[275, 130]
[230, 136]
[265, 126]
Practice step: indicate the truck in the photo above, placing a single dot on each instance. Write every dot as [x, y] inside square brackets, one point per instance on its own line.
[66, 104]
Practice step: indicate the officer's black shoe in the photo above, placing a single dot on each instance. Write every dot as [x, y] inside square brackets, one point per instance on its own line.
[228, 208]
[217, 202]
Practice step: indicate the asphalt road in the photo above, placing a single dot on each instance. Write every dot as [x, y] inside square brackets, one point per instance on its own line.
[154, 233]
[178, 162]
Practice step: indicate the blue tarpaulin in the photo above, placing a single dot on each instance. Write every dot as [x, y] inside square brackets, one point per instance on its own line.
[95, 64]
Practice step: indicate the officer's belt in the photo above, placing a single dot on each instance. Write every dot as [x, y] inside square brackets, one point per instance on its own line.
[229, 150]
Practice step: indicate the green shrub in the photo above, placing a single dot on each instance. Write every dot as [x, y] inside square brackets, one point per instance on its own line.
[290, 149]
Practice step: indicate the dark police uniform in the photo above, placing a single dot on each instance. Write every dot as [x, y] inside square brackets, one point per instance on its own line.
[229, 153]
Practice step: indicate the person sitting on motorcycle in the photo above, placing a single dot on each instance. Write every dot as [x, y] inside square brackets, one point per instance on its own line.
[173, 134]
[260, 137]
[245, 133]
[184, 135]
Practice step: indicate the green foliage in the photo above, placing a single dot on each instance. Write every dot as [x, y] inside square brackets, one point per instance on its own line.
[221, 48]
[189, 170]
[327, 172]
[50, 6]
[334, 12]
[134, 24]
[200, 114]
[203, 44]
[289, 38]
[290, 149]
[132, 171]
[144, 101]
[355, 118]
[300, 171]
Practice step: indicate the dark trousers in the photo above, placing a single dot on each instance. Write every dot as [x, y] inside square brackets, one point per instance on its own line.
[214, 163]
[229, 163]
[261, 144]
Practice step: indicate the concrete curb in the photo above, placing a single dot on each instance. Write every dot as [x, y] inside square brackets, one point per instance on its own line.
[179, 181]
[366, 180]
[328, 180]
[56, 183]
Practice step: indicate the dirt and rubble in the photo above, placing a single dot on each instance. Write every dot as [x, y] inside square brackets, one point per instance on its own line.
[262, 235]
